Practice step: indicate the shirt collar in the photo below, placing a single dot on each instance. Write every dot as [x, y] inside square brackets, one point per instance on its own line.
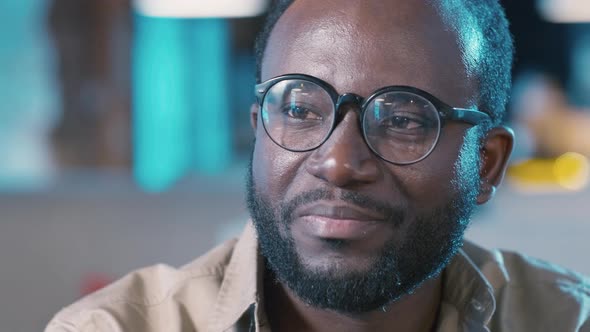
[242, 283]
[468, 289]
[464, 286]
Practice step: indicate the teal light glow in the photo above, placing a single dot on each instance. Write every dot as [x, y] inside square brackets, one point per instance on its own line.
[210, 95]
[161, 112]
[377, 110]
[265, 116]
[181, 99]
[294, 98]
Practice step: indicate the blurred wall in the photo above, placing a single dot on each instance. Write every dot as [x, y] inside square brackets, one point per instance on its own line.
[73, 218]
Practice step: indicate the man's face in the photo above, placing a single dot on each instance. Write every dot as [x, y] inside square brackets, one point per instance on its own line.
[340, 227]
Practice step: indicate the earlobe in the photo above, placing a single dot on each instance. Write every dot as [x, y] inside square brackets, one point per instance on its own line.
[254, 116]
[495, 152]
[487, 191]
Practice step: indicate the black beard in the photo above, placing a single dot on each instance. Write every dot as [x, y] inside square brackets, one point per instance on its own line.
[431, 241]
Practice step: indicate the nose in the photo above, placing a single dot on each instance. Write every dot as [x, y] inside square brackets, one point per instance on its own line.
[345, 159]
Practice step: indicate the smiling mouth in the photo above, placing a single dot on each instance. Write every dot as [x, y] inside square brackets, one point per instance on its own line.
[339, 222]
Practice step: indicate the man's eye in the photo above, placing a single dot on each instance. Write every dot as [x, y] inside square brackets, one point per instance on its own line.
[300, 112]
[403, 122]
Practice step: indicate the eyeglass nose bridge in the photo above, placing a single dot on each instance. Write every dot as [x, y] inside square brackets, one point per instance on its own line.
[349, 98]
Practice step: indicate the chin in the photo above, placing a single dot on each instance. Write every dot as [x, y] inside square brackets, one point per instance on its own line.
[338, 266]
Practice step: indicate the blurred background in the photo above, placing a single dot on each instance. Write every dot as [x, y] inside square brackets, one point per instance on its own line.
[124, 137]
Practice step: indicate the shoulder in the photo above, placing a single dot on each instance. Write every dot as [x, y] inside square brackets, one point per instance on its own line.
[531, 291]
[141, 300]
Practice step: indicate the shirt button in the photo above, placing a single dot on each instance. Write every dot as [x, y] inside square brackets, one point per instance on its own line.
[477, 305]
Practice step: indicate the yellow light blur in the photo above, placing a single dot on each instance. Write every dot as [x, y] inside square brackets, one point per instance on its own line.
[572, 171]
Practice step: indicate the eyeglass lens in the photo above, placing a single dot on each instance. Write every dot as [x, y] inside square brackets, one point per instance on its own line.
[401, 127]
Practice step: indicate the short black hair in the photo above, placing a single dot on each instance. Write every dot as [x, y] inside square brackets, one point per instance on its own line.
[276, 10]
[480, 23]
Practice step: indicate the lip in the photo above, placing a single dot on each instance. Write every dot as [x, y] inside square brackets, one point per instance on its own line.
[333, 221]
[338, 211]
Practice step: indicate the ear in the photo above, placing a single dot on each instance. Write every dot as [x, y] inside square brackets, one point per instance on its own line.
[254, 116]
[494, 154]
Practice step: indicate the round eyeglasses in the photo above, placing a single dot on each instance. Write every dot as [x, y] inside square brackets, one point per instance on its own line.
[400, 124]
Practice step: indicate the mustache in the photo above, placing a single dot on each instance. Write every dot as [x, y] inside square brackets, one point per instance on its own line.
[392, 214]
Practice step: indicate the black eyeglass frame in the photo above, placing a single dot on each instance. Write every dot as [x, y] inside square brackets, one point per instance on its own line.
[445, 111]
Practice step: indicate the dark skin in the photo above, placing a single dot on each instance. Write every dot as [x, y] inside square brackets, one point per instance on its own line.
[360, 46]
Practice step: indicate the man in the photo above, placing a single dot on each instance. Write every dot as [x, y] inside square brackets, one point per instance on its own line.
[378, 131]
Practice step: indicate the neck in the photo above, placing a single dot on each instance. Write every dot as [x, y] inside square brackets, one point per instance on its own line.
[415, 312]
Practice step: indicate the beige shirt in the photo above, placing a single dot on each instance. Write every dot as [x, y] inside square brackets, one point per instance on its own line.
[221, 291]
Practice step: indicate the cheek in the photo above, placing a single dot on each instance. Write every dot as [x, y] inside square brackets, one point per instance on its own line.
[432, 181]
[274, 168]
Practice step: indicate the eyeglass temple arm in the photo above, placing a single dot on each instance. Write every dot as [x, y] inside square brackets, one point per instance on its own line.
[466, 115]
[259, 90]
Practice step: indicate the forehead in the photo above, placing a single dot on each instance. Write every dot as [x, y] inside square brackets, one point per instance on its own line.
[361, 45]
